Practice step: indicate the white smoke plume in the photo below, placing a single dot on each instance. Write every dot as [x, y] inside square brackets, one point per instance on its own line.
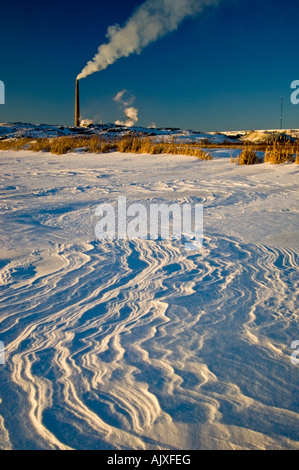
[125, 100]
[85, 122]
[152, 20]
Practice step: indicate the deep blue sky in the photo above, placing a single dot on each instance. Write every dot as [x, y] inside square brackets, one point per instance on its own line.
[225, 70]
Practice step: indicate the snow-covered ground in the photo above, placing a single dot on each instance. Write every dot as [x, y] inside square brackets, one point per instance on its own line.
[34, 131]
[140, 344]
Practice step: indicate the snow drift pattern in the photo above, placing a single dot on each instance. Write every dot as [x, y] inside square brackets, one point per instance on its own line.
[152, 20]
[139, 344]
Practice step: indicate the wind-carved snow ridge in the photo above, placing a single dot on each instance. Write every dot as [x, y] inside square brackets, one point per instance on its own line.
[147, 351]
[138, 344]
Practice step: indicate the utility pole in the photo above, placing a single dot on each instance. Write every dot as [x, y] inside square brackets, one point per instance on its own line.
[77, 105]
[281, 113]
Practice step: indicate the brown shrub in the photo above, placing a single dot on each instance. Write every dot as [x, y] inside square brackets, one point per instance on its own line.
[15, 144]
[124, 145]
[97, 144]
[93, 144]
[40, 145]
[248, 157]
[278, 154]
[62, 145]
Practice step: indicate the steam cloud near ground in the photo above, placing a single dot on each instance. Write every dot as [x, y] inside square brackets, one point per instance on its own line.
[124, 99]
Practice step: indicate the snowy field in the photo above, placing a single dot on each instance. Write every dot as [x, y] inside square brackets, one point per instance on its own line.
[140, 344]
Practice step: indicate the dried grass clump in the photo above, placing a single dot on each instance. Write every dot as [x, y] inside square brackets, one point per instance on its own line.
[107, 147]
[97, 144]
[40, 145]
[136, 144]
[63, 145]
[129, 144]
[248, 157]
[278, 154]
[15, 144]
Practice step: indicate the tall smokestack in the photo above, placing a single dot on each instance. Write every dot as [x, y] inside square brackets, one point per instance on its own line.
[77, 105]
